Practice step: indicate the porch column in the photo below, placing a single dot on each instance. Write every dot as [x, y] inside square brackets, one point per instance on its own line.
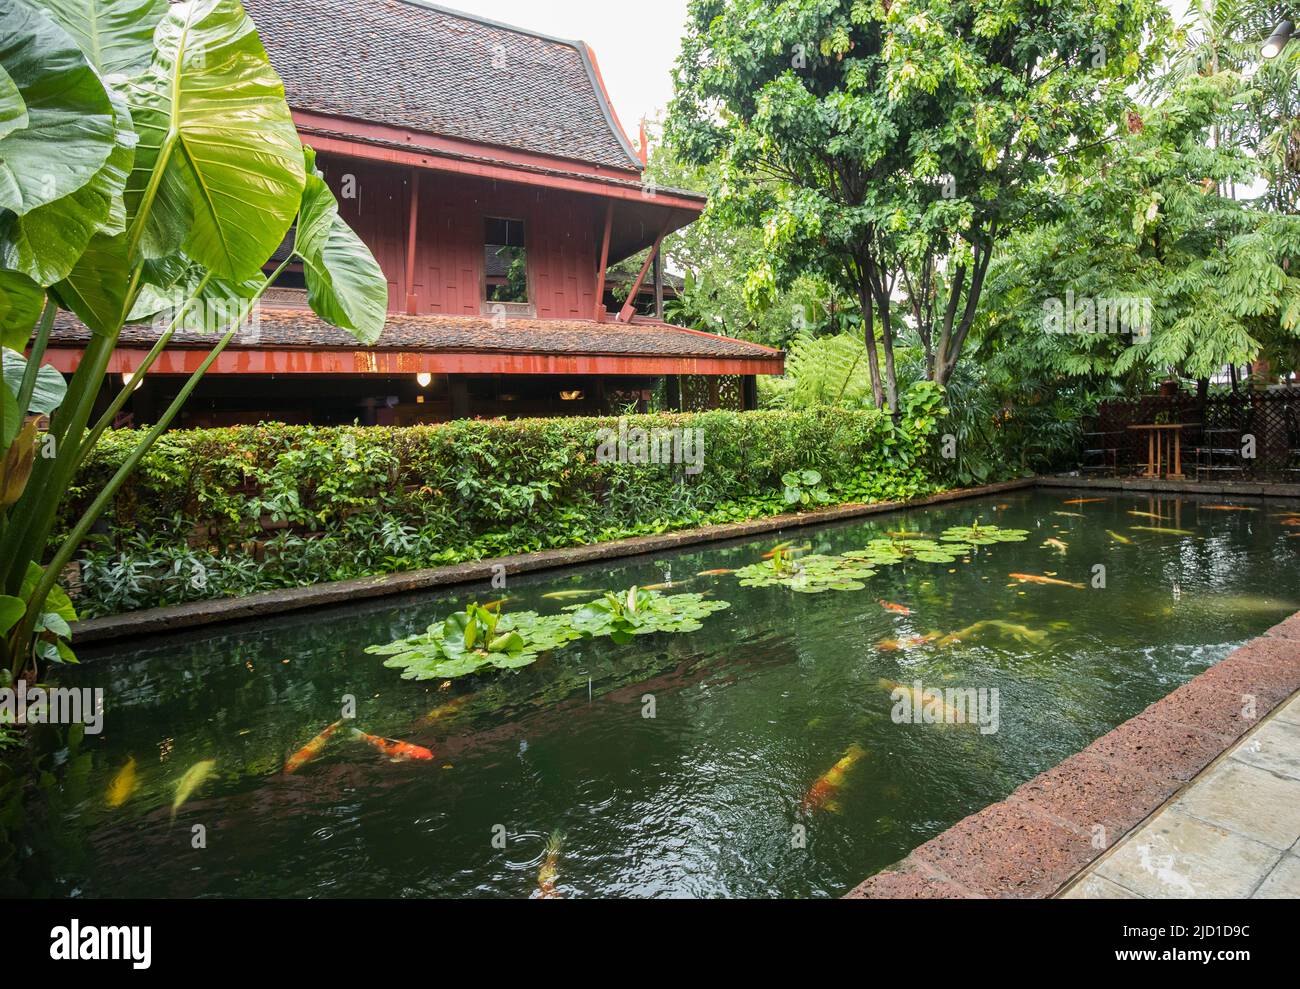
[412, 301]
[603, 263]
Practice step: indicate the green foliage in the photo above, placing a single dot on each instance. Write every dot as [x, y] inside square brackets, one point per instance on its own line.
[148, 162]
[233, 511]
[807, 575]
[804, 487]
[479, 637]
[884, 146]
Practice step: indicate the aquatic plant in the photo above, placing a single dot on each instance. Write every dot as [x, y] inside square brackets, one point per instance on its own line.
[889, 551]
[809, 575]
[640, 612]
[983, 535]
[480, 637]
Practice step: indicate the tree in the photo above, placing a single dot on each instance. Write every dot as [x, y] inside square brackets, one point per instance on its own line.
[889, 146]
[149, 167]
[1212, 277]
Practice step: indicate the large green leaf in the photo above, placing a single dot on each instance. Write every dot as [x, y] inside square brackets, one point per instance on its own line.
[11, 609]
[96, 288]
[50, 386]
[345, 285]
[47, 242]
[117, 37]
[69, 131]
[21, 300]
[214, 109]
[169, 282]
[13, 108]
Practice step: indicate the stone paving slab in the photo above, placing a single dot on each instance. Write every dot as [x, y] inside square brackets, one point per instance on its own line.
[1234, 832]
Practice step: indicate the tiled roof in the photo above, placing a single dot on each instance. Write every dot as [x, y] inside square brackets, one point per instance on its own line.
[408, 64]
[288, 328]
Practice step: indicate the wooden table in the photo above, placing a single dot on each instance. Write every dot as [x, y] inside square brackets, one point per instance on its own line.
[1164, 448]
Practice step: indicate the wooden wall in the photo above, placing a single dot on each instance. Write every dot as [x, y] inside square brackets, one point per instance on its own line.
[560, 230]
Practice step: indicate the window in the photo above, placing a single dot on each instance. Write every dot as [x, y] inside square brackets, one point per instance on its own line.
[505, 260]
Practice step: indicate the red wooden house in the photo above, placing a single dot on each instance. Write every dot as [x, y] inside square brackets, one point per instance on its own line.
[485, 168]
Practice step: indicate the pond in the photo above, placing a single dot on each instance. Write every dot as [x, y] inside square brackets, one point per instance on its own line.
[684, 764]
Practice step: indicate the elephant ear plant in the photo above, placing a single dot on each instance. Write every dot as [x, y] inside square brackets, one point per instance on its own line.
[149, 168]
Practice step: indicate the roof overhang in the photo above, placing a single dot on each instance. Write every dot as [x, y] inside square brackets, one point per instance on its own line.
[336, 362]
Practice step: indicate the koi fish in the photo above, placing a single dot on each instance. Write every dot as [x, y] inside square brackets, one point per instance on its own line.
[1000, 508]
[391, 747]
[1058, 545]
[1071, 515]
[787, 548]
[1228, 508]
[911, 642]
[497, 603]
[443, 710]
[714, 573]
[1118, 538]
[667, 584]
[1148, 515]
[1032, 578]
[1291, 521]
[778, 548]
[311, 750]
[1082, 501]
[1021, 632]
[922, 698]
[1167, 532]
[820, 794]
[123, 785]
[191, 781]
[550, 868]
[898, 609]
[568, 595]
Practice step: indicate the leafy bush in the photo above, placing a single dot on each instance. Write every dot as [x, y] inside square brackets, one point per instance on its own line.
[221, 512]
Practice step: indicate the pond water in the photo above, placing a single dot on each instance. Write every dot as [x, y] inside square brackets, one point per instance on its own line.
[710, 796]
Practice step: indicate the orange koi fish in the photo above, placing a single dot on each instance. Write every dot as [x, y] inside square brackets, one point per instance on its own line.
[714, 573]
[898, 609]
[821, 793]
[550, 868]
[1058, 545]
[1291, 521]
[391, 747]
[1228, 508]
[1033, 578]
[1083, 501]
[311, 750]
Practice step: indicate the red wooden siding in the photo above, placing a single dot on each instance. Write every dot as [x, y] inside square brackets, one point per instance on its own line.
[559, 229]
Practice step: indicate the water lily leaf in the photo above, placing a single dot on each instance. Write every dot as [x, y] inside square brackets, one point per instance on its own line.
[233, 179]
[70, 127]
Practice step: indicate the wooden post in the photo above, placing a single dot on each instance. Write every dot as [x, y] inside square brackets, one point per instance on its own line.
[412, 302]
[604, 262]
[659, 286]
[629, 307]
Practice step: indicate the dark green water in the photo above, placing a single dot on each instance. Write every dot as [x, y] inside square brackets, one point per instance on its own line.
[700, 800]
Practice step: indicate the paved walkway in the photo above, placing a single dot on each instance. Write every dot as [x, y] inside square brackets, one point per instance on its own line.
[1233, 832]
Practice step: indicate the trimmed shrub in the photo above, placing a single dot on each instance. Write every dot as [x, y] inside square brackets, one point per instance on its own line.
[217, 512]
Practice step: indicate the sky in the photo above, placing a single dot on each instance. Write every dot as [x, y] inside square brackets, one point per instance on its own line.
[635, 43]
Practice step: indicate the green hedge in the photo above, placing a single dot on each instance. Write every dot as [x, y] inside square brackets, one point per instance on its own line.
[218, 512]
